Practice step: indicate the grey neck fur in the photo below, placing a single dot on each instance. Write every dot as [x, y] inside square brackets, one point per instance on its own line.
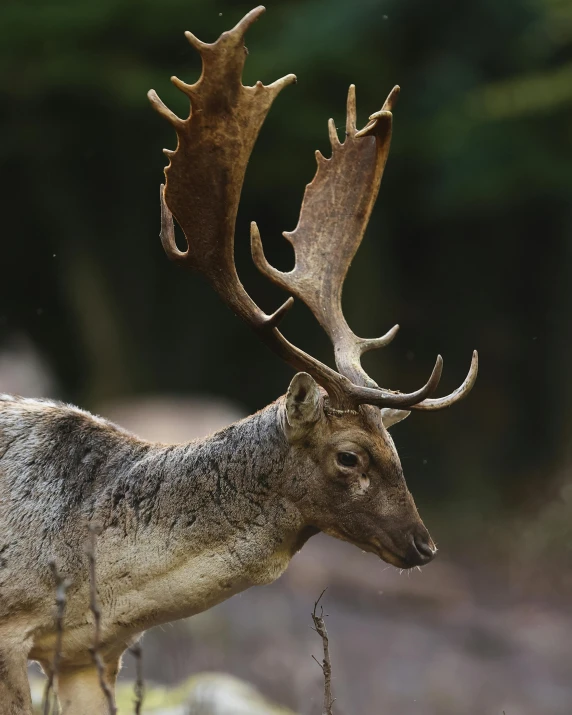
[165, 511]
[227, 476]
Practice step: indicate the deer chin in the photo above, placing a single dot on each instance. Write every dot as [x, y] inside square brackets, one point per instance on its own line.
[390, 557]
[374, 546]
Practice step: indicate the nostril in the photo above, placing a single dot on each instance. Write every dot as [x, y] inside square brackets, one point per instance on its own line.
[425, 548]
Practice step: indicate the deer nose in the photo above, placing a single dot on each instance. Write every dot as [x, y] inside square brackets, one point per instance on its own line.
[422, 548]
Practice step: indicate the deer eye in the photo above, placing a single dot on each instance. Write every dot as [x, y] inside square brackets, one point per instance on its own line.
[347, 459]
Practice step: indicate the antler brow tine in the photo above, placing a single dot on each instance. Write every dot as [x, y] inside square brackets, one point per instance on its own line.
[460, 393]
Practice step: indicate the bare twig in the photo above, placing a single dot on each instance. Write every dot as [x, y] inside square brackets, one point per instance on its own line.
[94, 531]
[62, 584]
[326, 664]
[136, 652]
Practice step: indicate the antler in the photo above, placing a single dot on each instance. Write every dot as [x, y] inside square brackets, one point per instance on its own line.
[335, 213]
[204, 181]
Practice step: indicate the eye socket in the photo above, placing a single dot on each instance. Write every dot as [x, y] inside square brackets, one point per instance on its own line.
[347, 459]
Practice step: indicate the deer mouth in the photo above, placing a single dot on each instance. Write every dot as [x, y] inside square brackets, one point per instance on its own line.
[419, 553]
[374, 546]
[390, 557]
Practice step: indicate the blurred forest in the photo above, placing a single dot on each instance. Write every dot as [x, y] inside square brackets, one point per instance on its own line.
[470, 244]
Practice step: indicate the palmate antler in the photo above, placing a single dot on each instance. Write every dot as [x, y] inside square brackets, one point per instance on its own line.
[202, 191]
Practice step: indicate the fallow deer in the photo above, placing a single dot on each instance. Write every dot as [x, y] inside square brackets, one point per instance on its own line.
[186, 526]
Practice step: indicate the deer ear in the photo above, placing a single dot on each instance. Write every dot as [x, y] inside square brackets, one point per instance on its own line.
[303, 401]
[391, 417]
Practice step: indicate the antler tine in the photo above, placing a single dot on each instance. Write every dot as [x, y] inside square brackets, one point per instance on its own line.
[378, 397]
[351, 111]
[333, 133]
[167, 233]
[241, 27]
[161, 108]
[392, 98]
[461, 392]
[367, 344]
[237, 33]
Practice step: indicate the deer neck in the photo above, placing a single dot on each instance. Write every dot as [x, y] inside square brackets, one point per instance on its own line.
[212, 518]
[234, 482]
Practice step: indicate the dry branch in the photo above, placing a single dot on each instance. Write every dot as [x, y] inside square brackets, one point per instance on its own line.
[62, 585]
[326, 664]
[94, 531]
[137, 653]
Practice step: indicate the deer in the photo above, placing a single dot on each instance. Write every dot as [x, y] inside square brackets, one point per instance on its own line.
[183, 527]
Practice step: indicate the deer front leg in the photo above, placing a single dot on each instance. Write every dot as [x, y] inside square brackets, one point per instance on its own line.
[15, 698]
[80, 692]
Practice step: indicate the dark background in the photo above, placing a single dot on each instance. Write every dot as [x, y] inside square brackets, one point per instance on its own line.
[470, 244]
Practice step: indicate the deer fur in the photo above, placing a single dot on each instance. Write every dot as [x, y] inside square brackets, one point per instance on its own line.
[183, 527]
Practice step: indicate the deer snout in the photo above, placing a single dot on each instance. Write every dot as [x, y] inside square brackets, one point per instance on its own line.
[421, 549]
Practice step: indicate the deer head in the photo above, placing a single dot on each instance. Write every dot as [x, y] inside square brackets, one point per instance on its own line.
[342, 461]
